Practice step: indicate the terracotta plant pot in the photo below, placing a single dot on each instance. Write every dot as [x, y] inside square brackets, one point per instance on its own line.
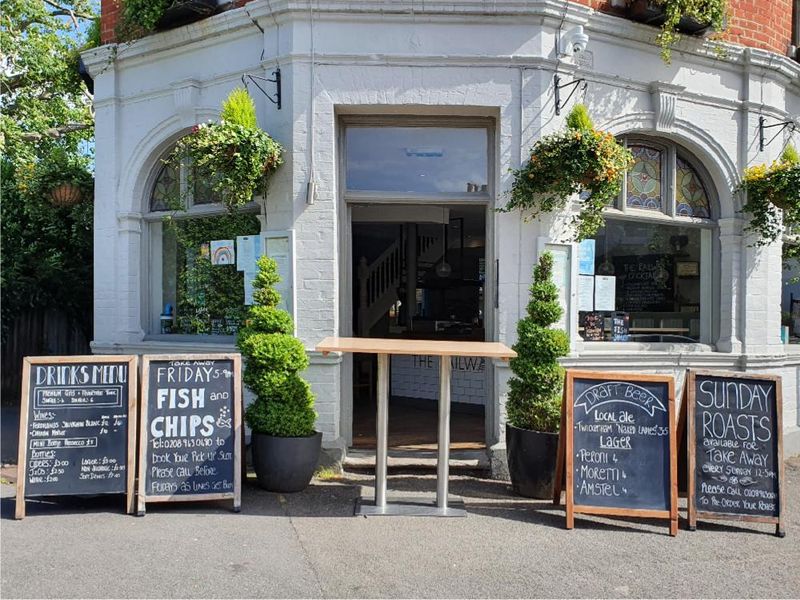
[65, 195]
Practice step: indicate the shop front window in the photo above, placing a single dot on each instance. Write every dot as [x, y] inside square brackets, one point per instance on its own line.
[195, 287]
[646, 276]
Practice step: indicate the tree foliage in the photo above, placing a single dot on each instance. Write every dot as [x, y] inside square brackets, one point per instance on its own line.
[46, 124]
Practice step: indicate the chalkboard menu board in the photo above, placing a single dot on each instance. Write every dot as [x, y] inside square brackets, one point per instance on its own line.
[190, 445]
[618, 446]
[77, 427]
[735, 447]
[645, 283]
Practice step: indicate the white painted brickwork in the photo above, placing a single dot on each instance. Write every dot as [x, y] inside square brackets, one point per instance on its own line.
[418, 377]
[469, 58]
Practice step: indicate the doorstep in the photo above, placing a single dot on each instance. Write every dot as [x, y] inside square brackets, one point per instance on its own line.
[461, 461]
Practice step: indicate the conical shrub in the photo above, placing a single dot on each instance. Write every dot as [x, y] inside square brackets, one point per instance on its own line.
[534, 396]
[273, 361]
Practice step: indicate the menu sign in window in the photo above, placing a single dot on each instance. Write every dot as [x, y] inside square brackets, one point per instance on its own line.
[618, 444]
[190, 446]
[735, 447]
[77, 427]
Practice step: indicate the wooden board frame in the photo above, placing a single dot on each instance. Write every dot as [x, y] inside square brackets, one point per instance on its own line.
[564, 461]
[238, 433]
[133, 393]
[693, 513]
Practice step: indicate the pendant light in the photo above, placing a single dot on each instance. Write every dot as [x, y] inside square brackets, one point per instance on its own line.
[443, 269]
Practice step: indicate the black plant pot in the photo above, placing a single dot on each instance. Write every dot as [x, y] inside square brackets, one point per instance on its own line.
[182, 12]
[531, 461]
[285, 464]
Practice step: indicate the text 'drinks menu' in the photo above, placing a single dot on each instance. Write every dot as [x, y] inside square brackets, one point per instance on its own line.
[77, 429]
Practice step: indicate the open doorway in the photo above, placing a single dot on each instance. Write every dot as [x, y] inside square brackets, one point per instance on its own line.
[419, 273]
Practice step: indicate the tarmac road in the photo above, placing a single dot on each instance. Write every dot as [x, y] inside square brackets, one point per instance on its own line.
[310, 545]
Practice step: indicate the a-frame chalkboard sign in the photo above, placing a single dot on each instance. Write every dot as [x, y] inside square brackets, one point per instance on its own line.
[190, 445]
[735, 448]
[618, 446]
[77, 429]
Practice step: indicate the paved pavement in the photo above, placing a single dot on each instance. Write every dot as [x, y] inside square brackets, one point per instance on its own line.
[310, 545]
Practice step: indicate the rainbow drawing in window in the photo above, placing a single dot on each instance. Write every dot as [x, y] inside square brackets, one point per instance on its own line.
[222, 252]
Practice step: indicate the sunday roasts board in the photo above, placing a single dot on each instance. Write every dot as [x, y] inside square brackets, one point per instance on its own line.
[77, 427]
[735, 447]
[190, 430]
[618, 446]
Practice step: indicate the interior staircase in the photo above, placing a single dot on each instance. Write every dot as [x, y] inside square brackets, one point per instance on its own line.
[379, 281]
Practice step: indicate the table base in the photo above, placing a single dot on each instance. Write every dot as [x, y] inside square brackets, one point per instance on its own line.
[409, 506]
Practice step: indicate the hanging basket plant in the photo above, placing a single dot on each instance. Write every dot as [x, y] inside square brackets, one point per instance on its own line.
[773, 197]
[234, 157]
[62, 179]
[693, 17]
[578, 160]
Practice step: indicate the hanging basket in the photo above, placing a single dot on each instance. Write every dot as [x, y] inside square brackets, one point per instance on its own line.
[65, 195]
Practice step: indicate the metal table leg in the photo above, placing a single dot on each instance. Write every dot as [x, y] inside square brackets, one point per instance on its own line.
[443, 464]
[382, 431]
[411, 506]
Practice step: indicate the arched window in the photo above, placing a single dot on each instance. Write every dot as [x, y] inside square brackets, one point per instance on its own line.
[191, 292]
[647, 274]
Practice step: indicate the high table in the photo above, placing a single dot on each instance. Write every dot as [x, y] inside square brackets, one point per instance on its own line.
[445, 350]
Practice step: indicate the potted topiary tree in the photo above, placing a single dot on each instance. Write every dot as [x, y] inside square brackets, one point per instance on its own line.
[285, 445]
[534, 396]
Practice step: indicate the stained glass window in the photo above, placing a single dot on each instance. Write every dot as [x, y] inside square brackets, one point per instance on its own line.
[644, 179]
[166, 188]
[691, 199]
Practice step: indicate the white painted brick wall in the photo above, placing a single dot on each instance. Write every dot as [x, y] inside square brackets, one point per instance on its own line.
[464, 64]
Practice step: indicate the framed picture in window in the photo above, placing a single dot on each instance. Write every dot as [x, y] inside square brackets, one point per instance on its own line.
[687, 269]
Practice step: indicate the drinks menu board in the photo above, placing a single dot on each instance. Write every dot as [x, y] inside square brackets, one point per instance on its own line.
[618, 446]
[77, 427]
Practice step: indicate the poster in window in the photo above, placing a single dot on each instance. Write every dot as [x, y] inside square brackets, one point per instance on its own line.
[605, 287]
[561, 268]
[586, 257]
[585, 292]
[222, 252]
[645, 283]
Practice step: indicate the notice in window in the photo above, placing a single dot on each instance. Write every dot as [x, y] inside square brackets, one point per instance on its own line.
[586, 257]
[605, 287]
[248, 249]
[222, 252]
[585, 292]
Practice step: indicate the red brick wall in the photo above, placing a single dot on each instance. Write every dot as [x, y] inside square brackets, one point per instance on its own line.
[765, 24]
[109, 15]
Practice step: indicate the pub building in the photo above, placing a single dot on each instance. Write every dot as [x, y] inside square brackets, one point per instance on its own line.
[401, 122]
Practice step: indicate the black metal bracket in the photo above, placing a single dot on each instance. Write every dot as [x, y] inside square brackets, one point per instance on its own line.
[276, 79]
[558, 85]
[761, 127]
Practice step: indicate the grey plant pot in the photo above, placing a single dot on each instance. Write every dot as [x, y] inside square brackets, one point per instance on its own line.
[285, 464]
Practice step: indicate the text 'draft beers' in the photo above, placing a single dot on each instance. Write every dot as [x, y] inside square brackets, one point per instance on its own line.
[190, 446]
[77, 427]
[618, 446]
[735, 447]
